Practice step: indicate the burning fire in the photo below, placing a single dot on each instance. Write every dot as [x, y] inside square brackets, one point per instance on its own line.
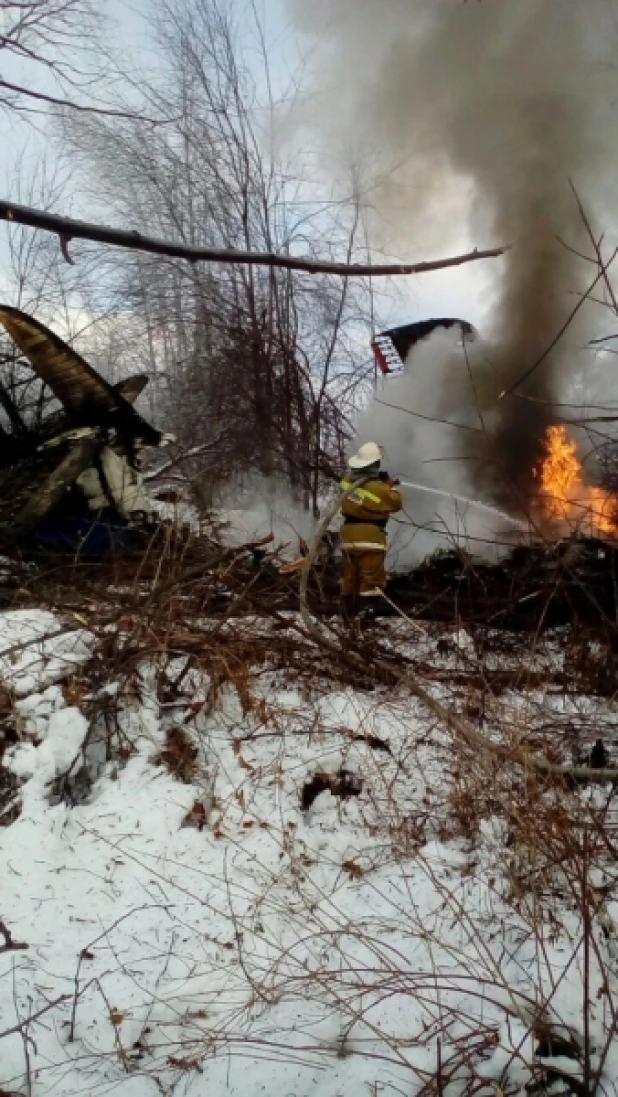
[566, 496]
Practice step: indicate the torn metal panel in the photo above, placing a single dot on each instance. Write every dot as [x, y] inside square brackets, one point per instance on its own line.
[111, 481]
[30, 488]
[64, 464]
[132, 387]
[391, 347]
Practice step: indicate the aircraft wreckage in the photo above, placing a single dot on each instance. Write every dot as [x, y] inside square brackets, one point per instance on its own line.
[392, 347]
[69, 443]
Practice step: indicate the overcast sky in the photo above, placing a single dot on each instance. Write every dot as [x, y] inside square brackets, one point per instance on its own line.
[460, 292]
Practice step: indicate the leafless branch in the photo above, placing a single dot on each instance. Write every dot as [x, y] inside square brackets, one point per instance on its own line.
[67, 228]
[55, 101]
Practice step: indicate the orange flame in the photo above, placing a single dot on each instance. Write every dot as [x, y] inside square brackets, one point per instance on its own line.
[565, 495]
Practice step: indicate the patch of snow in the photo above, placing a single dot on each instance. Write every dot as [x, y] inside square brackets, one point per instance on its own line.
[22, 759]
[65, 735]
[316, 953]
[36, 649]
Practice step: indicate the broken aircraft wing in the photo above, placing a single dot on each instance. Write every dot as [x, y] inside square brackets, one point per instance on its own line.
[86, 396]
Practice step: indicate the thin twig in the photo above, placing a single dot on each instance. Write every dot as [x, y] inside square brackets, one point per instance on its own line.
[35, 1016]
[72, 104]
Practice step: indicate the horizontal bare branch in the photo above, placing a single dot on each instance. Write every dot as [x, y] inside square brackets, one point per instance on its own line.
[67, 229]
[54, 101]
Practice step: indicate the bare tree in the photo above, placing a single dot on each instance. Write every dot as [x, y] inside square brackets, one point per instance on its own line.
[53, 57]
[254, 367]
[37, 280]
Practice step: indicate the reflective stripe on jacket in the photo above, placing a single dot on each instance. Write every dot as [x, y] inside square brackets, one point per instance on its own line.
[368, 508]
[374, 499]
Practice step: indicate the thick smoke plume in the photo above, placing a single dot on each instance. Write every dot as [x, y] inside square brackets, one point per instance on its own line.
[508, 100]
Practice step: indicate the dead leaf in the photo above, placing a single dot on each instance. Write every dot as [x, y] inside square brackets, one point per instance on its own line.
[73, 693]
[261, 710]
[179, 755]
[185, 1064]
[355, 871]
[196, 817]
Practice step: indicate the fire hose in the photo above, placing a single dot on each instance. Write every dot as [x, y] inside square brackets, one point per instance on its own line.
[447, 715]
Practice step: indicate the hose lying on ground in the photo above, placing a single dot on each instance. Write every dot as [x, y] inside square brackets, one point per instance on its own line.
[451, 719]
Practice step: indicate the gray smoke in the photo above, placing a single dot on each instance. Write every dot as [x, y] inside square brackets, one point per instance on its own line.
[426, 437]
[505, 101]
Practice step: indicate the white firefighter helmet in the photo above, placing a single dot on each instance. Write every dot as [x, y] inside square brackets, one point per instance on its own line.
[369, 454]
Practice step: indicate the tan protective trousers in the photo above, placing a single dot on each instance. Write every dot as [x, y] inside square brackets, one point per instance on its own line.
[364, 573]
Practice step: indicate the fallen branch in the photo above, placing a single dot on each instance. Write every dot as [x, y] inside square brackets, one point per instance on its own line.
[21, 1025]
[67, 229]
[452, 720]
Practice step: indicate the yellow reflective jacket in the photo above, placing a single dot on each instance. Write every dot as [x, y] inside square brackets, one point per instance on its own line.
[366, 512]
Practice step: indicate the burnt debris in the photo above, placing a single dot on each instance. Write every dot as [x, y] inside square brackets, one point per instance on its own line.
[537, 585]
[69, 442]
[343, 784]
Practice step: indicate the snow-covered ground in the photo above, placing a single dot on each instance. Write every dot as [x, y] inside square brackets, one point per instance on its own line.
[220, 933]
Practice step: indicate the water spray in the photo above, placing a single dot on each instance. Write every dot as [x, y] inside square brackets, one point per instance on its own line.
[462, 499]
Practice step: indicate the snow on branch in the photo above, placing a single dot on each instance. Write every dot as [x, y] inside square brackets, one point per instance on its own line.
[68, 229]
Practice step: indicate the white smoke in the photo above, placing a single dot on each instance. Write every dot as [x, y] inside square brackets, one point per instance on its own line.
[255, 506]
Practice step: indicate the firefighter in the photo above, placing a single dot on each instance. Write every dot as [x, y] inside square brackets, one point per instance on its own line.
[363, 534]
